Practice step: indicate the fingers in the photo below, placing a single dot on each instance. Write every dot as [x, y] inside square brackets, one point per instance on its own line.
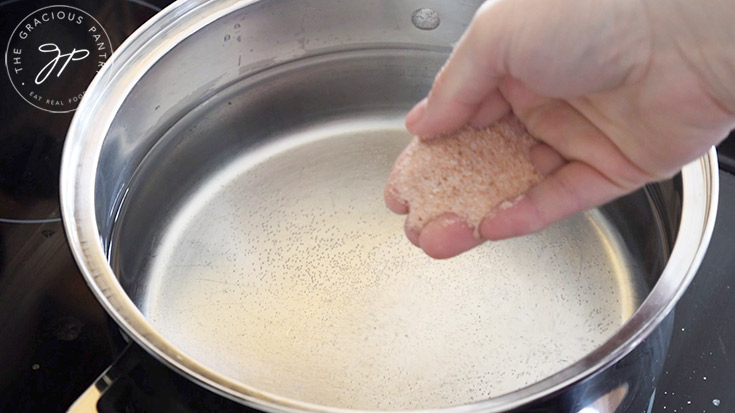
[584, 168]
[490, 110]
[443, 237]
[447, 236]
[467, 83]
[412, 234]
[546, 159]
[393, 201]
[573, 188]
[571, 133]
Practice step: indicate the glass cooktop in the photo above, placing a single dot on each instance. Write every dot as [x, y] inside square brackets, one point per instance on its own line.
[56, 339]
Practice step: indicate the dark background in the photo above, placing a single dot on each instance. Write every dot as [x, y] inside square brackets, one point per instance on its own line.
[55, 339]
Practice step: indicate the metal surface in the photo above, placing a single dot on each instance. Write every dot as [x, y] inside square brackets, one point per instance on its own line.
[199, 140]
[283, 270]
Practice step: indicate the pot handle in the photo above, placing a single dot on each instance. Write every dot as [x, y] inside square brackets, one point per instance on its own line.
[89, 401]
[136, 382]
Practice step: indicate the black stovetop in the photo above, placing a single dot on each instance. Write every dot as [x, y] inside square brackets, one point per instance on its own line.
[56, 339]
[54, 336]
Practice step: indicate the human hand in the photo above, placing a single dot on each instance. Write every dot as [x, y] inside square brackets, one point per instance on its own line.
[620, 93]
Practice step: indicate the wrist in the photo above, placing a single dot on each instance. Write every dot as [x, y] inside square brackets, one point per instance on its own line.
[703, 34]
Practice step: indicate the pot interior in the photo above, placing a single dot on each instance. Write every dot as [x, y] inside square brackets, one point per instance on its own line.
[253, 236]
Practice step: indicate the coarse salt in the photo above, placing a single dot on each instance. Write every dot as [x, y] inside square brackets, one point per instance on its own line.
[469, 173]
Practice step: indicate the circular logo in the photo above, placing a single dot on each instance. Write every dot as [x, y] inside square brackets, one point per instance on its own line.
[53, 54]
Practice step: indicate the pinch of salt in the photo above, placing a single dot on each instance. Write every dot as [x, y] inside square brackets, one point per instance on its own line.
[468, 173]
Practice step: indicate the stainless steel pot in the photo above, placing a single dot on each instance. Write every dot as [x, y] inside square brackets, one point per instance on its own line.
[221, 191]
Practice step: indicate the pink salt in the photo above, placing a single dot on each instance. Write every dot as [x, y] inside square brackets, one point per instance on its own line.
[470, 172]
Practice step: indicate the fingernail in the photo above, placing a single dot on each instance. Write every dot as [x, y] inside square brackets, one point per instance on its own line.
[414, 117]
[447, 236]
[413, 235]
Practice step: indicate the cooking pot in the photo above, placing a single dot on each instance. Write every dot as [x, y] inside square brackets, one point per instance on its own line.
[221, 189]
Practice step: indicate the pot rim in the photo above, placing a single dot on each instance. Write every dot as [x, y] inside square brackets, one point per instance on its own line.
[142, 50]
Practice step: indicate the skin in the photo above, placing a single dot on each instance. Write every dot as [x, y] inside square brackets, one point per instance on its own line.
[621, 93]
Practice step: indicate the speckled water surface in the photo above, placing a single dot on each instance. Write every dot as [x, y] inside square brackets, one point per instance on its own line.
[285, 271]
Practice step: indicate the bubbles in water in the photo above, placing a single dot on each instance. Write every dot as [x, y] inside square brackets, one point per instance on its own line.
[425, 19]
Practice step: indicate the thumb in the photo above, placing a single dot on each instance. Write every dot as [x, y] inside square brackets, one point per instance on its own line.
[467, 84]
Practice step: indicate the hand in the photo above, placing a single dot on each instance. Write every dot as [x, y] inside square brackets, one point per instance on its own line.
[620, 93]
